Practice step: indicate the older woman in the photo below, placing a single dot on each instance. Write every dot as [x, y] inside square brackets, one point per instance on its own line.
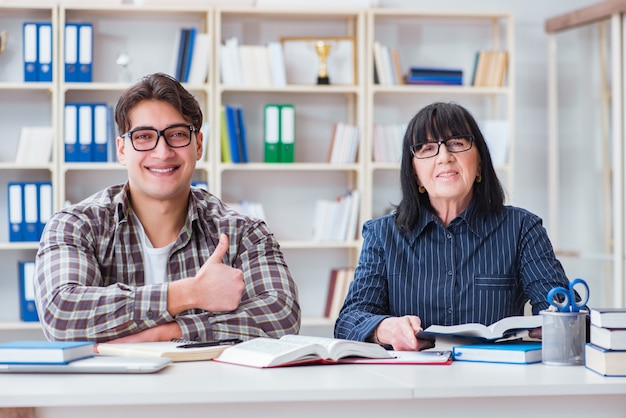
[452, 252]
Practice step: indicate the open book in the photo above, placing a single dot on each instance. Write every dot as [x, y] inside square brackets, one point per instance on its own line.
[509, 327]
[171, 349]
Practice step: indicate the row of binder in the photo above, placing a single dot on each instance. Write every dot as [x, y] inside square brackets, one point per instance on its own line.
[37, 51]
[30, 207]
[279, 132]
[192, 57]
[78, 56]
[28, 311]
[89, 133]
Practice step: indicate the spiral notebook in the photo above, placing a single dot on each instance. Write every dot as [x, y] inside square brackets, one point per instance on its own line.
[95, 365]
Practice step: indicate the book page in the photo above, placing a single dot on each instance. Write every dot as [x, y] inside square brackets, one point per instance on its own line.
[338, 348]
[268, 352]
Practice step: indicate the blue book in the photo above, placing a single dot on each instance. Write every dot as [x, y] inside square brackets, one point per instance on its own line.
[44, 352]
[241, 131]
[231, 129]
[180, 61]
[188, 56]
[28, 311]
[516, 352]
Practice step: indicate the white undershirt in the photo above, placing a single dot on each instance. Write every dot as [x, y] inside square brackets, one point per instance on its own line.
[154, 259]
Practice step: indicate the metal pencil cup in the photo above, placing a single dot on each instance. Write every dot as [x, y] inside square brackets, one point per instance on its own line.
[563, 338]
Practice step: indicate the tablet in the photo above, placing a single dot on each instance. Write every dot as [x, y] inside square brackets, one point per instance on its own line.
[96, 364]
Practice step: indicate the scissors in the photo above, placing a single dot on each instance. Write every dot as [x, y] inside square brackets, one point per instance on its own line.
[565, 300]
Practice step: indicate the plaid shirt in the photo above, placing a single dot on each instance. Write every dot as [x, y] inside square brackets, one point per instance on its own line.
[89, 281]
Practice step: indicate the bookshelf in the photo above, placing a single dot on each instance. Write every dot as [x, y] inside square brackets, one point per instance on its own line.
[419, 37]
[287, 191]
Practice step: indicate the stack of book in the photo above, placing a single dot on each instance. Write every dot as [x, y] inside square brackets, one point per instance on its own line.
[336, 220]
[340, 279]
[437, 76]
[490, 68]
[606, 352]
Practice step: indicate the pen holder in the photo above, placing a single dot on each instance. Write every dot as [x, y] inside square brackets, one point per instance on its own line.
[563, 338]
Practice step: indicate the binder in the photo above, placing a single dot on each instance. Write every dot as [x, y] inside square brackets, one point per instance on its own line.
[71, 52]
[243, 146]
[71, 132]
[16, 212]
[182, 54]
[45, 205]
[231, 127]
[100, 132]
[85, 132]
[31, 212]
[224, 143]
[44, 52]
[85, 52]
[29, 51]
[271, 132]
[287, 133]
[28, 310]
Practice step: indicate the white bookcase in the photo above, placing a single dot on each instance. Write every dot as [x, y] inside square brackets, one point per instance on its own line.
[287, 191]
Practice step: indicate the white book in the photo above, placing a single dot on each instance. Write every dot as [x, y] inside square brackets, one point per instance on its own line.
[200, 59]
[277, 64]
[34, 145]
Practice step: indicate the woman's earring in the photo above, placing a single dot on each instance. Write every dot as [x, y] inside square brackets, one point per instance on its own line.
[479, 178]
[421, 189]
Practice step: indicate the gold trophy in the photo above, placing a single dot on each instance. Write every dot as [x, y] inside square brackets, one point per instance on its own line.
[323, 49]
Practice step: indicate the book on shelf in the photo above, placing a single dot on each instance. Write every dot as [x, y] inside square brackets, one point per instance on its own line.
[44, 352]
[506, 328]
[344, 144]
[177, 350]
[515, 352]
[609, 338]
[338, 285]
[293, 350]
[608, 317]
[34, 145]
[605, 362]
[490, 68]
[336, 220]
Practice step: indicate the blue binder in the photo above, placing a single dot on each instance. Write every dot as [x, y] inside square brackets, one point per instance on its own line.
[16, 212]
[30, 199]
[191, 40]
[45, 205]
[70, 58]
[44, 52]
[70, 136]
[28, 310]
[85, 52]
[100, 132]
[30, 51]
[85, 132]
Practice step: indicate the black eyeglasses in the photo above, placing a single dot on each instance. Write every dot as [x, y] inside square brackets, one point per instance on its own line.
[459, 143]
[146, 139]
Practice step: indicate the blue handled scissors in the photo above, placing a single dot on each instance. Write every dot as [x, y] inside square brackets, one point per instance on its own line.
[565, 300]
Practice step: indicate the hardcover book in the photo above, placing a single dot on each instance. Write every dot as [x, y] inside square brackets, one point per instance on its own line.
[609, 338]
[44, 352]
[504, 352]
[605, 362]
[608, 317]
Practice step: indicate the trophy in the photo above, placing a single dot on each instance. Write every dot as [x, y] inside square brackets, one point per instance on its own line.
[323, 49]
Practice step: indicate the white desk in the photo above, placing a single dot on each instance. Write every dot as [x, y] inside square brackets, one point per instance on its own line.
[207, 388]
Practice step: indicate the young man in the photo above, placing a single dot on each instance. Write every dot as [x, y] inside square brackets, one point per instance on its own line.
[154, 259]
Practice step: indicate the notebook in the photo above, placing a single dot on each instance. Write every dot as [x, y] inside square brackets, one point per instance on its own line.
[97, 364]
